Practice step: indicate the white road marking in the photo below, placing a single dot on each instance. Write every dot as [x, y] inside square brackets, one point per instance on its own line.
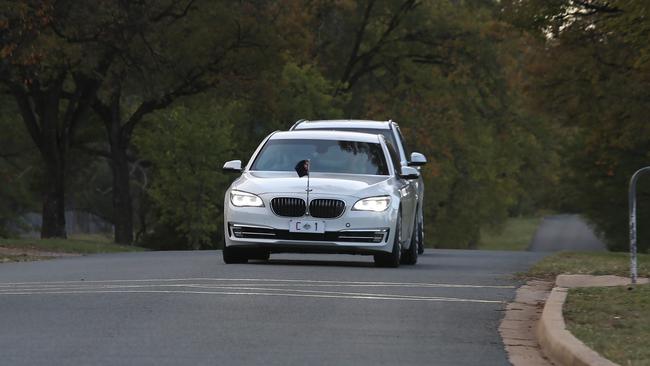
[266, 280]
[357, 296]
[94, 288]
[240, 286]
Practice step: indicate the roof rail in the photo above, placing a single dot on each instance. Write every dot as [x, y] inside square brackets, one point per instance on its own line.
[297, 123]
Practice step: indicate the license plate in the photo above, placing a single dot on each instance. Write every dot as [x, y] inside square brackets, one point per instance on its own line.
[306, 226]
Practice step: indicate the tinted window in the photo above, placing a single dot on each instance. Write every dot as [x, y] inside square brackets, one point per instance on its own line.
[327, 156]
[388, 134]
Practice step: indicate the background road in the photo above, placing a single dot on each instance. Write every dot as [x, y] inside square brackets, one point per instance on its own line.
[565, 232]
[188, 308]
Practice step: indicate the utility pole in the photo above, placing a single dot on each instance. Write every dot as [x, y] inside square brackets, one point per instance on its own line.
[632, 205]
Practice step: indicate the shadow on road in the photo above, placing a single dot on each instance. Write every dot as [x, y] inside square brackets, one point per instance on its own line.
[331, 263]
[311, 262]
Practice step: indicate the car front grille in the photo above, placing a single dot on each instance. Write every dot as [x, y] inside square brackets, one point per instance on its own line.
[358, 236]
[288, 206]
[326, 208]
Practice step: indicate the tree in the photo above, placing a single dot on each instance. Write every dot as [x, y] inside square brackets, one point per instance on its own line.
[53, 90]
[589, 71]
[150, 75]
[440, 69]
[186, 144]
[122, 60]
[17, 169]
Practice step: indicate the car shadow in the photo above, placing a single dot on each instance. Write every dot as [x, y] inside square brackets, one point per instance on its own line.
[312, 262]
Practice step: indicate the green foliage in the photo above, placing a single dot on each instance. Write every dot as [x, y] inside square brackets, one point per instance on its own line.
[281, 97]
[509, 100]
[186, 144]
[447, 83]
[589, 72]
[17, 169]
[305, 93]
[515, 234]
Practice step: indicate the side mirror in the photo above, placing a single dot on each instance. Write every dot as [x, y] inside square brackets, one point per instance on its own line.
[232, 166]
[409, 173]
[417, 159]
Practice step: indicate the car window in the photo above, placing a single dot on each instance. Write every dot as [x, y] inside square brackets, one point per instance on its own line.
[388, 134]
[326, 156]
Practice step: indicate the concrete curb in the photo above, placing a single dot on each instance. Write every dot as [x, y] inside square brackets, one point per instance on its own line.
[559, 344]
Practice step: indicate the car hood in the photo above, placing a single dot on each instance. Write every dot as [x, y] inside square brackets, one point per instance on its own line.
[320, 183]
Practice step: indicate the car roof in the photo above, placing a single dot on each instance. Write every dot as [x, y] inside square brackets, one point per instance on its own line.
[326, 135]
[342, 123]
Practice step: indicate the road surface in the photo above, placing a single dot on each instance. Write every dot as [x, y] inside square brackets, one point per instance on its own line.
[188, 308]
[565, 232]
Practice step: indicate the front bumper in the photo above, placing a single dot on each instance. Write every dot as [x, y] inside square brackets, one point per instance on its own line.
[354, 232]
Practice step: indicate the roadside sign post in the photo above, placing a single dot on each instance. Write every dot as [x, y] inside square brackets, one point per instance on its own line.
[632, 205]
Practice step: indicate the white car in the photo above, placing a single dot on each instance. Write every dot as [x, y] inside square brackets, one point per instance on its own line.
[391, 131]
[355, 199]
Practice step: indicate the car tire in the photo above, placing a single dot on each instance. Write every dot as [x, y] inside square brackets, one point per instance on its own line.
[234, 255]
[410, 255]
[392, 259]
[420, 234]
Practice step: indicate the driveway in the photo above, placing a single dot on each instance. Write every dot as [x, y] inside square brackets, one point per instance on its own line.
[565, 232]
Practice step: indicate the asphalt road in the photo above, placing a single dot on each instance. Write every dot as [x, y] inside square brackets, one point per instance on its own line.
[188, 308]
[565, 232]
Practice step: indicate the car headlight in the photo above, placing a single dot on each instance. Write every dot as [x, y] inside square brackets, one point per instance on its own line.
[376, 204]
[244, 199]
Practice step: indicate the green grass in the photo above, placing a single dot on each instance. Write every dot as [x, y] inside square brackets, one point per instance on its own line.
[613, 321]
[516, 234]
[77, 245]
[593, 263]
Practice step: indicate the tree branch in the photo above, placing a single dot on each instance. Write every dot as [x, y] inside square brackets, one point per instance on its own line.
[352, 60]
[30, 117]
[168, 12]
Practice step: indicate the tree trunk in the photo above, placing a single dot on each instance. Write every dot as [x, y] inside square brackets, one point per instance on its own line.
[122, 203]
[119, 144]
[40, 112]
[54, 199]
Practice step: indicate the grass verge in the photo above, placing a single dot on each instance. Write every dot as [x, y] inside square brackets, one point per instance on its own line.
[593, 263]
[516, 234]
[21, 250]
[4, 258]
[613, 321]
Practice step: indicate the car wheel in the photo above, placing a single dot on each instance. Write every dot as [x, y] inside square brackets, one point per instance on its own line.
[420, 234]
[392, 259]
[410, 256]
[234, 255]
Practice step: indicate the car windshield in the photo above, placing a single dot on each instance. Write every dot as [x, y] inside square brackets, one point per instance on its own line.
[326, 156]
[387, 133]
